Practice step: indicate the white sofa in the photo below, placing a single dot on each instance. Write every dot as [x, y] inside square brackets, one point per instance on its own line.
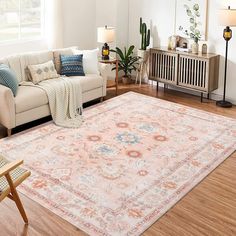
[31, 103]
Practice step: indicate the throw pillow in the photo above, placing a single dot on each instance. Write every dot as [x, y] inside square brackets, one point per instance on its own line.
[90, 60]
[42, 72]
[57, 56]
[72, 65]
[8, 78]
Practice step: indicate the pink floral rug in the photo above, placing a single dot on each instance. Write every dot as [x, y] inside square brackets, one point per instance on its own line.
[133, 159]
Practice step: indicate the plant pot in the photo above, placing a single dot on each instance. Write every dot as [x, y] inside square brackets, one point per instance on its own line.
[126, 79]
[195, 47]
[143, 54]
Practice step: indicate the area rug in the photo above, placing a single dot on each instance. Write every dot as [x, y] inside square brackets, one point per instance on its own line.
[133, 158]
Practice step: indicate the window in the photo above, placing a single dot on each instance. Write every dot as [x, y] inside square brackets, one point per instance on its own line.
[21, 20]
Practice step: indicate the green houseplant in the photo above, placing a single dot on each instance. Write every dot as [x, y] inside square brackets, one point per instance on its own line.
[145, 39]
[127, 62]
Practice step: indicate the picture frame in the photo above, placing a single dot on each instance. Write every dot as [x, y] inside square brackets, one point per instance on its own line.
[191, 18]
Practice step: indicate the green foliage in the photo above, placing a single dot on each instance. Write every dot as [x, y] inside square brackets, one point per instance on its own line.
[145, 34]
[127, 62]
[193, 13]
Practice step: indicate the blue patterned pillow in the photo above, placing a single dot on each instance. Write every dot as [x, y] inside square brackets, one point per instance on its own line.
[72, 65]
[8, 78]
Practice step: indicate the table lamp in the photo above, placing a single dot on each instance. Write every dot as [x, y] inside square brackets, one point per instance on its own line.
[227, 17]
[105, 35]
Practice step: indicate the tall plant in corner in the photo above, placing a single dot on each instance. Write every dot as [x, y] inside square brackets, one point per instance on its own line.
[127, 62]
[145, 39]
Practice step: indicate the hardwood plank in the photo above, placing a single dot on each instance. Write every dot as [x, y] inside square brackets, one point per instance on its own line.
[209, 209]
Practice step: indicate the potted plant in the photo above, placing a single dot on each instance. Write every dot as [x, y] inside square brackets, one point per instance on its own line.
[145, 40]
[193, 32]
[127, 62]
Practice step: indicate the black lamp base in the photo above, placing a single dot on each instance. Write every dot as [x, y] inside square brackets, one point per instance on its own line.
[224, 104]
[105, 58]
[105, 52]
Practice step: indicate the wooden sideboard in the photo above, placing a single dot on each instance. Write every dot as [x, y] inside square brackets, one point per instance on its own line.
[197, 72]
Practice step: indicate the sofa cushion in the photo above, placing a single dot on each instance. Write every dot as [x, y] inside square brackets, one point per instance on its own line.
[29, 97]
[57, 56]
[72, 65]
[8, 78]
[14, 63]
[42, 72]
[89, 82]
[90, 60]
[33, 58]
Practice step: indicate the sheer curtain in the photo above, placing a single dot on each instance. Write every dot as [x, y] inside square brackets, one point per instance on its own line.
[54, 23]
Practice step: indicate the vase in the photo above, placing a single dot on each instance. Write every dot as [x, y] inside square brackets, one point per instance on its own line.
[195, 47]
[143, 54]
[204, 48]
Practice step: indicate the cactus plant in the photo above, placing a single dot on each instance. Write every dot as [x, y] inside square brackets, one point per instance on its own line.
[146, 34]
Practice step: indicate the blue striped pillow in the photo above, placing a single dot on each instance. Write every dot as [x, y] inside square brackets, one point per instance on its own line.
[8, 78]
[72, 65]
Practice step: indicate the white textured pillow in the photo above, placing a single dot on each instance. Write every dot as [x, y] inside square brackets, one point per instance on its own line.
[90, 60]
[42, 72]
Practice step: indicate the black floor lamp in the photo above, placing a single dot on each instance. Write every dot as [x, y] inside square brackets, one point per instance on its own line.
[227, 18]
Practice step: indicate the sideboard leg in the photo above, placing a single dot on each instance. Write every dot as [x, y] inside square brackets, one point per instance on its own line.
[201, 97]
[208, 96]
[157, 86]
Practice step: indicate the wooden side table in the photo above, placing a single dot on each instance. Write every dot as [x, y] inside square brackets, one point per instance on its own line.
[111, 83]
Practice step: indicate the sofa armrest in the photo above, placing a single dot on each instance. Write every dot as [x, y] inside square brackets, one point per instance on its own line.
[7, 108]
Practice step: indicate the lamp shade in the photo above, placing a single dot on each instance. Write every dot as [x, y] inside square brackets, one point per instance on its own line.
[227, 17]
[106, 34]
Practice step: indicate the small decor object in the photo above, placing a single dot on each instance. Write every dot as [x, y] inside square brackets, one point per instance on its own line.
[8, 78]
[177, 42]
[126, 62]
[195, 46]
[172, 42]
[191, 18]
[185, 45]
[72, 65]
[105, 35]
[204, 48]
[179, 49]
[227, 18]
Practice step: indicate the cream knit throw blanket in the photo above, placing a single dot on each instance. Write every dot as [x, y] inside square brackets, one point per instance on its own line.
[65, 100]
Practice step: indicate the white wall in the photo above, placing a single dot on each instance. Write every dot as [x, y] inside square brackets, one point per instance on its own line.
[114, 13]
[161, 17]
[79, 23]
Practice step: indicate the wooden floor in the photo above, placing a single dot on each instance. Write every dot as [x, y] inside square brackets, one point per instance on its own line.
[209, 209]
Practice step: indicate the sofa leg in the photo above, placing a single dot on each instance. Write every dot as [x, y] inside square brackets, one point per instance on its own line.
[9, 131]
[101, 99]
